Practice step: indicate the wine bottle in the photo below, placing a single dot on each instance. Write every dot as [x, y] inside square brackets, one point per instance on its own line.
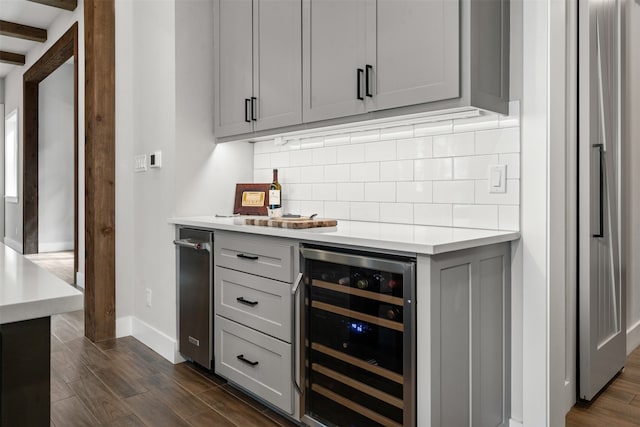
[275, 193]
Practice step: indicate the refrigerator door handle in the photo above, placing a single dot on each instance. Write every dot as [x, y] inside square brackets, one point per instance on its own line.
[294, 292]
[600, 148]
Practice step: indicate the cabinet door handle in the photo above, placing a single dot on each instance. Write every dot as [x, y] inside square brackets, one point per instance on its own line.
[254, 113]
[241, 300]
[247, 101]
[359, 74]
[250, 257]
[601, 173]
[367, 79]
[241, 358]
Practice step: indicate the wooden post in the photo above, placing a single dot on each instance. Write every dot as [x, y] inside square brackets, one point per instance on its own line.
[99, 30]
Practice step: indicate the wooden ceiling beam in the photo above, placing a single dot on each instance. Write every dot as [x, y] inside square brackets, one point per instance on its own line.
[11, 58]
[60, 4]
[20, 31]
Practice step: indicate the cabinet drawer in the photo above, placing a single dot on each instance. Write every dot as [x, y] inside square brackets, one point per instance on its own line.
[255, 361]
[259, 303]
[262, 256]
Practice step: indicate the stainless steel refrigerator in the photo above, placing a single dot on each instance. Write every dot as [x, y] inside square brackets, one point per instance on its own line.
[601, 288]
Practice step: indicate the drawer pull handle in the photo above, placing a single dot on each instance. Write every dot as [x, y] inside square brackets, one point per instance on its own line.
[251, 257]
[246, 302]
[241, 358]
[194, 341]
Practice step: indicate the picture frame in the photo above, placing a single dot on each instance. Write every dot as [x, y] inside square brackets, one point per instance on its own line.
[251, 199]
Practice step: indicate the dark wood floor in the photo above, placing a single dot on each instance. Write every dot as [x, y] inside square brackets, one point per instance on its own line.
[617, 405]
[123, 383]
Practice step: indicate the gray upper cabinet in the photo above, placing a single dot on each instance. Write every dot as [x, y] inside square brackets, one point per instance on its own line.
[258, 56]
[334, 44]
[412, 52]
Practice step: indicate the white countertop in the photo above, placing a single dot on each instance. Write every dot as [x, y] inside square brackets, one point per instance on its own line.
[28, 291]
[417, 239]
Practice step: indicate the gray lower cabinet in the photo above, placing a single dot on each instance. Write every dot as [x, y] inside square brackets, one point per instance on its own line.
[254, 344]
[463, 357]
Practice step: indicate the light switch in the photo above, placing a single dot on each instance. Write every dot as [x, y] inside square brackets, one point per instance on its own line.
[140, 163]
[498, 179]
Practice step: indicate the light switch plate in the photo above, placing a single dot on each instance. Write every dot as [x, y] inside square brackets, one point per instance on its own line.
[140, 163]
[497, 178]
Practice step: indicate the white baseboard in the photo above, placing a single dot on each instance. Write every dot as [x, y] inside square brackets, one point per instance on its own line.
[156, 340]
[13, 244]
[124, 326]
[515, 423]
[55, 247]
[80, 281]
[633, 337]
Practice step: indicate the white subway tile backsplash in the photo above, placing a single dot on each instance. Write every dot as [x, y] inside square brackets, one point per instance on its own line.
[313, 174]
[427, 173]
[396, 132]
[414, 192]
[365, 211]
[280, 159]
[365, 136]
[400, 170]
[429, 214]
[505, 140]
[337, 210]
[262, 161]
[350, 153]
[433, 128]
[365, 172]
[414, 148]
[300, 158]
[473, 167]
[461, 144]
[511, 197]
[475, 216]
[350, 192]
[380, 191]
[336, 173]
[509, 217]
[339, 139]
[296, 192]
[323, 191]
[433, 169]
[380, 151]
[324, 156]
[397, 213]
[453, 192]
[513, 164]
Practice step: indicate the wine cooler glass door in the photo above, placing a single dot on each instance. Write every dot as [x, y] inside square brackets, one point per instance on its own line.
[359, 335]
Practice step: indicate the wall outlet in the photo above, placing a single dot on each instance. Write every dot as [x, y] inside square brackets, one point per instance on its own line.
[155, 159]
[148, 297]
[140, 163]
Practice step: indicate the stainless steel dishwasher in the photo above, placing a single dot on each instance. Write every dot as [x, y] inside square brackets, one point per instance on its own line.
[195, 295]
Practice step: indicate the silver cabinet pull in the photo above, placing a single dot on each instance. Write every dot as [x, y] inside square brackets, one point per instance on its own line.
[294, 291]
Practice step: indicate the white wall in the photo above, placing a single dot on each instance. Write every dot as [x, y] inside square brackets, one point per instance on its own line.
[55, 161]
[164, 102]
[632, 130]
[13, 99]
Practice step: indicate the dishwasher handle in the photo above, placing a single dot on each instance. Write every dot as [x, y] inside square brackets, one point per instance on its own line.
[191, 244]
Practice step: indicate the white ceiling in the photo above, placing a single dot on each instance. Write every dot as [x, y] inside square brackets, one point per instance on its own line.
[26, 13]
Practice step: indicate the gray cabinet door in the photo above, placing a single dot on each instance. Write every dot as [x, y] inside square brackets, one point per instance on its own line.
[233, 66]
[334, 50]
[277, 41]
[413, 46]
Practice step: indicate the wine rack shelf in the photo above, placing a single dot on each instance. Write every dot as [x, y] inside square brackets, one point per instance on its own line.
[389, 299]
[357, 315]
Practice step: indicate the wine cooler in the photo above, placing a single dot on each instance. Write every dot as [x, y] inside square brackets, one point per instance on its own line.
[359, 339]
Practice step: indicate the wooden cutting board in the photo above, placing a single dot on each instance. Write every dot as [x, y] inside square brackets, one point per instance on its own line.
[292, 222]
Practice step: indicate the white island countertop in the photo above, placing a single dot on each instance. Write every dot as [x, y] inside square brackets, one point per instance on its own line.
[28, 291]
[417, 239]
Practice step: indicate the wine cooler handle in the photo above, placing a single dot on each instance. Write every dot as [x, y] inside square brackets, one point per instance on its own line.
[294, 292]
